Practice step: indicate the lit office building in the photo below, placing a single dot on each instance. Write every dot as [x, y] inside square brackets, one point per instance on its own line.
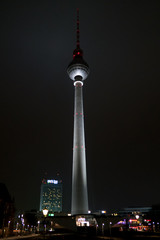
[51, 195]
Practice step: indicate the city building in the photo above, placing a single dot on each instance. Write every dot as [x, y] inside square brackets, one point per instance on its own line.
[78, 71]
[133, 211]
[7, 211]
[51, 195]
[142, 219]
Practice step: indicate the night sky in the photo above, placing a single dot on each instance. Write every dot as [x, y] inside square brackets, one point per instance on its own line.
[121, 44]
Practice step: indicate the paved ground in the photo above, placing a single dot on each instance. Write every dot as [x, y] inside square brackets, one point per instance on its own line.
[72, 236]
[21, 237]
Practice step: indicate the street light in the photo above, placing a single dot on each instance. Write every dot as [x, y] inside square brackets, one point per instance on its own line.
[45, 213]
[103, 229]
[9, 227]
[110, 228]
[38, 226]
[96, 228]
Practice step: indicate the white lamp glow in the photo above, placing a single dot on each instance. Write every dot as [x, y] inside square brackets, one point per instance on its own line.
[45, 212]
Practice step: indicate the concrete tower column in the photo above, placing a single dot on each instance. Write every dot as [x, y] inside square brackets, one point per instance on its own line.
[79, 172]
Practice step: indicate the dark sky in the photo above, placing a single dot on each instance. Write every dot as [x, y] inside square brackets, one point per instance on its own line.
[121, 44]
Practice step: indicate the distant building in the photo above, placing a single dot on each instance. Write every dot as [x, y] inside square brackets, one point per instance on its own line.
[133, 211]
[7, 211]
[51, 195]
[142, 219]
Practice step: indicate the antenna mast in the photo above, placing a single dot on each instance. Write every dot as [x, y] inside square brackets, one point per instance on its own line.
[78, 43]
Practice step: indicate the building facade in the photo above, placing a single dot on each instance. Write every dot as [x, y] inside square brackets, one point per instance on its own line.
[51, 195]
[7, 211]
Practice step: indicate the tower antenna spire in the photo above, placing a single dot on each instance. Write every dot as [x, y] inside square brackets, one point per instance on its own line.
[78, 33]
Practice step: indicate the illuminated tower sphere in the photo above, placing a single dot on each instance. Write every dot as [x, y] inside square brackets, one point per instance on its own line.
[78, 71]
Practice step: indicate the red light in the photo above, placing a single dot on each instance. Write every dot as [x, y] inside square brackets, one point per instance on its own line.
[78, 53]
[133, 220]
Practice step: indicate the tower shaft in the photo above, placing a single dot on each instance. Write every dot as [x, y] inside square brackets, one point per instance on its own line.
[79, 173]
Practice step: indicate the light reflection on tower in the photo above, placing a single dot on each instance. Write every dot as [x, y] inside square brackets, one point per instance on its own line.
[78, 71]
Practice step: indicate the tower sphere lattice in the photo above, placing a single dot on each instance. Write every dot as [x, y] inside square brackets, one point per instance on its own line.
[78, 68]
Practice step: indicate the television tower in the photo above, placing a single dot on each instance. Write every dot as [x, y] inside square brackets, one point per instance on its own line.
[78, 71]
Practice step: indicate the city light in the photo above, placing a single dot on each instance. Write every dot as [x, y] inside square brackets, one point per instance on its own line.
[52, 181]
[51, 214]
[103, 211]
[45, 212]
